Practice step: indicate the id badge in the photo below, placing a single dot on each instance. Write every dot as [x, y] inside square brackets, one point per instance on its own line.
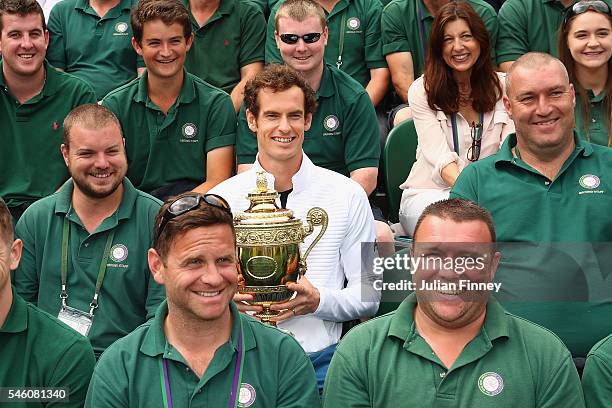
[76, 319]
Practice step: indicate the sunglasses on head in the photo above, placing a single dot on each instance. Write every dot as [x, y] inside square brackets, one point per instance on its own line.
[190, 202]
[293, 38]
[586, 5]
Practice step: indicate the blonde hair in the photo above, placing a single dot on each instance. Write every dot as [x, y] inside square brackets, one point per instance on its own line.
[300, 10]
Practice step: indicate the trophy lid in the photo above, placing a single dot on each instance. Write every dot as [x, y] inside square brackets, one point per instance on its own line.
[263, 208]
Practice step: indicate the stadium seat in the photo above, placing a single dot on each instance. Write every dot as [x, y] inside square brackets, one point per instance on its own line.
[399, 155]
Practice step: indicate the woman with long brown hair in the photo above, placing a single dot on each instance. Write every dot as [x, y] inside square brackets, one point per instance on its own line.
[457, 108]
[585, 47]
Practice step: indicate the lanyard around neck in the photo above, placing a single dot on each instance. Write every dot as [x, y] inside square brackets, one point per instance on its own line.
[422, 31]
[64, 266]
[341, 42]
[238, 368]
[456, 132]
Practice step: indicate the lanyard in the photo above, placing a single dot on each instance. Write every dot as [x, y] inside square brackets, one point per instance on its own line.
[456, 132]
[341, 45]
[165, 382]
[421, 30]
[64, 268]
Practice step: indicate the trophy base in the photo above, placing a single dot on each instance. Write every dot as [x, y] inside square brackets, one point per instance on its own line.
[265, 316]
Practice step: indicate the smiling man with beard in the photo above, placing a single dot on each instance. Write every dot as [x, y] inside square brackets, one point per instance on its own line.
[448, 347]
[84, 247]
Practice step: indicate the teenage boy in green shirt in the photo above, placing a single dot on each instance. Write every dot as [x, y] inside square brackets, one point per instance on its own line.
[34, 99]
[37, 350]
[179, 130]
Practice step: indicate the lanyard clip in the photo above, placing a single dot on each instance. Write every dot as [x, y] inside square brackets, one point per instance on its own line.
[339, 62]
[93, 305]
[64, 295]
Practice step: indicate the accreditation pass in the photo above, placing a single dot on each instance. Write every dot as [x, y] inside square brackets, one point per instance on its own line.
[33, 394]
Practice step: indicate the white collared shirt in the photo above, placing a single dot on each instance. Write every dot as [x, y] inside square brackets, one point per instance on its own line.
[338, 256]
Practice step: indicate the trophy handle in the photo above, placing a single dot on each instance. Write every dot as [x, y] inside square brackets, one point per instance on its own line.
[316, 216]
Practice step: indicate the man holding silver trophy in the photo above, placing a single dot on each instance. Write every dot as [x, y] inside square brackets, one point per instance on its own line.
[337, 286]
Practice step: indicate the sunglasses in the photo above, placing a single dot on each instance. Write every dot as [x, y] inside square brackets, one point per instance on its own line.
[188, 203]
[293, 38]
[473, 152]
[584, 6]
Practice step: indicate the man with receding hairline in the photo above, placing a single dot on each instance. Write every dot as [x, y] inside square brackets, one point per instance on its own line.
[37, 350]
[85, 246]
[545, 186]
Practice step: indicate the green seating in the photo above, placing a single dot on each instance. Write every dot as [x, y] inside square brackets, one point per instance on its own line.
[398, 156]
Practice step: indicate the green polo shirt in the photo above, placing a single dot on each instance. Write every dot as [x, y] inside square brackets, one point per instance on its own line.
[231, 38]
[597, 375]
[163, 149]
[31, 163]
[528, 25]
[558, 287]
[356, 24]
[129, 295]
[344, 133]
[510, 363]
[597, 129]
[277, 373]
[401, 28]
[40, 351]
[98, 50]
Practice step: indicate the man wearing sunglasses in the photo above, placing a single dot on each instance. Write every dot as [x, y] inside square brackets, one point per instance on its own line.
[199, 350]
[354, 46]
[179, 130]
[344, 135]
[530, 25]
[279, 107]
[546, 185]
[85, 246]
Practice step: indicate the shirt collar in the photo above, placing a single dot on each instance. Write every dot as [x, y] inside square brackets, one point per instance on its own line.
[402, 321]
[300, 180]
[505, 152]
[128, 202]
[155, 342]
[186, 95]
[52, 80]
[17, 318]
[84, 5]
[326, 88]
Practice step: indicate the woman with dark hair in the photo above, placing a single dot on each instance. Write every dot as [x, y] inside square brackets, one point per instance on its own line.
[457, 108]
[585, 47]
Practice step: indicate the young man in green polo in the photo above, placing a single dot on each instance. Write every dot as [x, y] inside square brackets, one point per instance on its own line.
[91, 39]
[449, 344]
[34, 99]
[179, 130]
[37, 350]
[550, 190]
[354, 46]
[85, 246]
[199, 350]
